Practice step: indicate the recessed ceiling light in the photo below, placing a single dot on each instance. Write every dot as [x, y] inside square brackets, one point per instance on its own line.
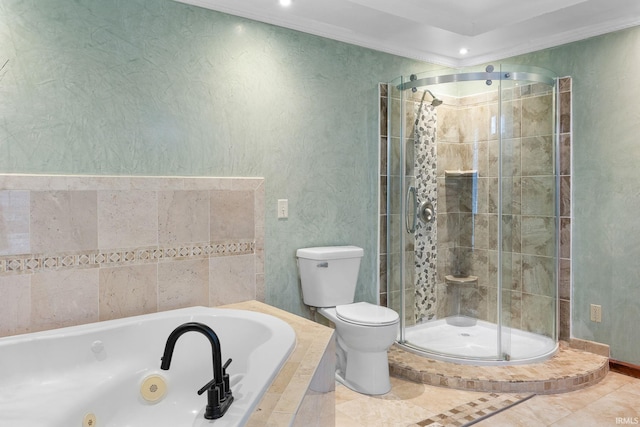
[285, 3]
[464, 51]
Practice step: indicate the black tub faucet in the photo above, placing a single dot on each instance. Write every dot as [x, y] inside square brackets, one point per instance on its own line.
[219, 396]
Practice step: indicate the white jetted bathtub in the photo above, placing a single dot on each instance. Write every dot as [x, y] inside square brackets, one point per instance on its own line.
[108, 374]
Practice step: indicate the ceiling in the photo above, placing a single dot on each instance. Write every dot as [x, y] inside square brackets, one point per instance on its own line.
[436, 30]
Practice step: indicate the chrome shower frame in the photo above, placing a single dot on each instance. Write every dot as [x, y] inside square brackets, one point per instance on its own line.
[489, 75]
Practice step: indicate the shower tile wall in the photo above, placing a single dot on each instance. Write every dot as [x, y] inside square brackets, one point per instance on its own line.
[528, 209]
[78, 249]
[470, 218]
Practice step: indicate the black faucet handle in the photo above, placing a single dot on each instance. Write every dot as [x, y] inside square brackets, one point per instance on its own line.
[209, 385]
[213, 382]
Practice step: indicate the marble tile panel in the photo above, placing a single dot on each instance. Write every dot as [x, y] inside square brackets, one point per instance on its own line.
[565, 84]
[537, 156]
[482, 195]
[538, 275]
[383, 111]
[290, 399]
[63, 221]
[448, 124]
[538, 195]
[564, 281]
[127, 219]
[128, 291]
[395, 119]
[479, 265]
[16, 296]
[232, 215]
[393, 185]
[565, 112]
[383, 155]
[512, 270]
[512, 196]
[481, 231]
[511, 233]
[565, 154]
[64, 298]
[532, 306]
[33, 182]
[512, 119]
[565, 196]
[231, 279]
[456, 156]
[14, 222]
[537, 116]
[183, 216]
[564, 323]
[183, 284]
[537, 235]
[477, 124]
[565, 237]
[512, 301]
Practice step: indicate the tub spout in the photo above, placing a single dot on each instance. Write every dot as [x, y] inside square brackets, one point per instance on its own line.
[219, 396]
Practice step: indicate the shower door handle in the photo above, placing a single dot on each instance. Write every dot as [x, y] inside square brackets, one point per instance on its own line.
[411, 228]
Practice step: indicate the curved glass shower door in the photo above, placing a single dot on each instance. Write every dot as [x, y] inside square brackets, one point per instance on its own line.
[472, 200]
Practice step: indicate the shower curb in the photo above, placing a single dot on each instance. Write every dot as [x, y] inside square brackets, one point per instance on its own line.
[568, 370]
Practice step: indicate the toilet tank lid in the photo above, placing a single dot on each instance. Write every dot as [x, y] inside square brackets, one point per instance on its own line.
[330, 252]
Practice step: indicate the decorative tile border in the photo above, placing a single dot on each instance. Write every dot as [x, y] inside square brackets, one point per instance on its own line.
[475, 411]
[34, 263]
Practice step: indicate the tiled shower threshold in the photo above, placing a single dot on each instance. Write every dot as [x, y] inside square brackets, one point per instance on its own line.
[568, 370]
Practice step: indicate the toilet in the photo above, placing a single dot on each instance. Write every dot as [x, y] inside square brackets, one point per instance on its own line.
[364, 331]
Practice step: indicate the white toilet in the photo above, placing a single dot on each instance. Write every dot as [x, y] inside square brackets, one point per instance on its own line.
[364, 331]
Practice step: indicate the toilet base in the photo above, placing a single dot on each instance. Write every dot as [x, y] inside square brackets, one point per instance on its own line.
[366, 373]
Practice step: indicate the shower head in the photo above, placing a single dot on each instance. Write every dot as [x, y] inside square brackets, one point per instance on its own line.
[435, 101]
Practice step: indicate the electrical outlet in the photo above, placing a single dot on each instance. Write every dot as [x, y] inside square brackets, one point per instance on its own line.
[596, 313]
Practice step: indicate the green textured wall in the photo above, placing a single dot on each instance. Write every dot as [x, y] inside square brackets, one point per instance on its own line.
[155, 87]
[606, 184]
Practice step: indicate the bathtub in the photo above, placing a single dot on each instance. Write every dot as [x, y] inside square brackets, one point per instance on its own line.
[108, 374]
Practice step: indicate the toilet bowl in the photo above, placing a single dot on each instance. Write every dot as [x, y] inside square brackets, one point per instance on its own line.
[364, 334]
[364, 331]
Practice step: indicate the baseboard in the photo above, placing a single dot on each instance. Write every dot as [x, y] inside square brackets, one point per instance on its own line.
[624, 368]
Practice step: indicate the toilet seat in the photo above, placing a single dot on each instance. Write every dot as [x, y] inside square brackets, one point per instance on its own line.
[366, 314]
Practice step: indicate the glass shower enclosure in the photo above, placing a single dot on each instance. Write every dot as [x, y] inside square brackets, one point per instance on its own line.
[472, 213]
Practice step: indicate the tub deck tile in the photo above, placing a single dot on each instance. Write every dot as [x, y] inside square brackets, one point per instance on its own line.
[280, 406]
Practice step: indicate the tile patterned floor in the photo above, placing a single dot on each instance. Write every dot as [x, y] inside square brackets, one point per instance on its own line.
[613, 401]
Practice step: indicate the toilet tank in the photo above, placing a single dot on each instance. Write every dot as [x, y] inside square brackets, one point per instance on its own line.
[329, 274]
